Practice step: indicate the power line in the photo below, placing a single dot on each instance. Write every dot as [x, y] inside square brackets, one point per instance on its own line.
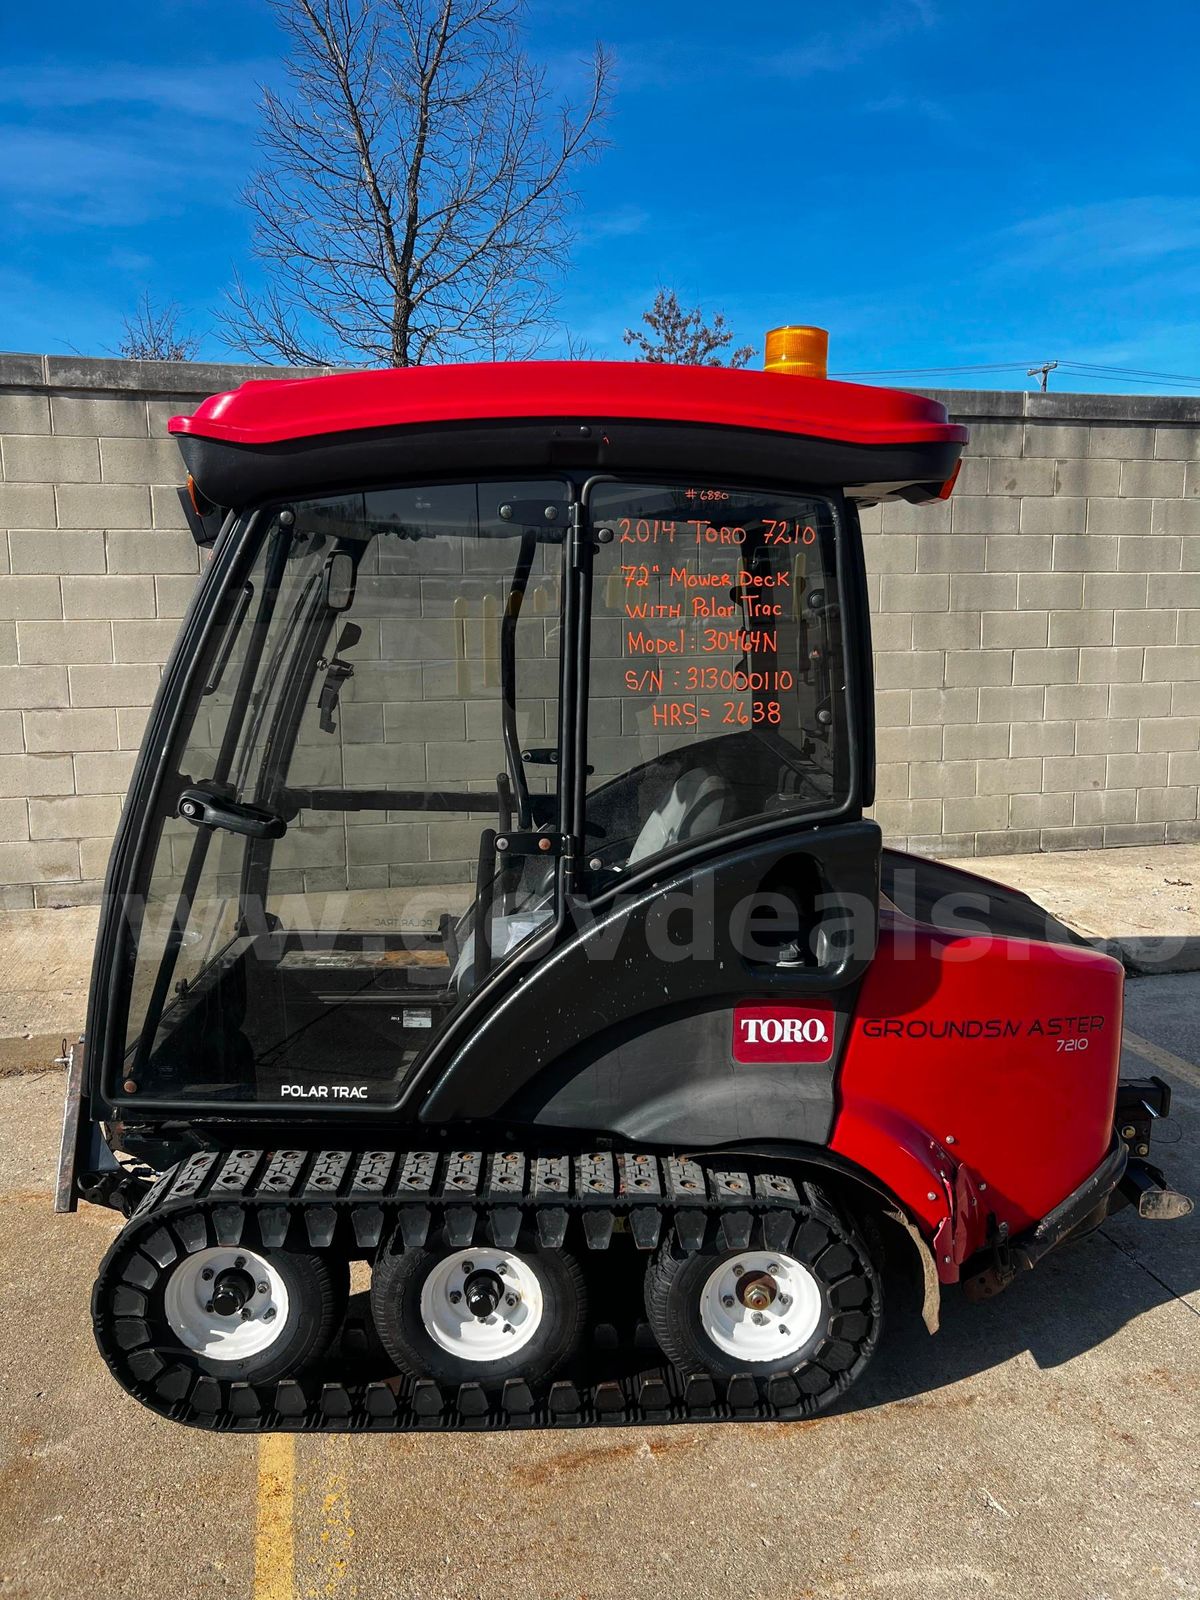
[1130, 372]
[902, 372]
[1081, 368]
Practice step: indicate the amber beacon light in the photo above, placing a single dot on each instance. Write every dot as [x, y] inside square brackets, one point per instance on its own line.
[801, 352]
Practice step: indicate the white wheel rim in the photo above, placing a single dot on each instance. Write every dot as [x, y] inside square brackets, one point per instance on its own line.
[187, 1303]
[760, 1305]
[450, 1322]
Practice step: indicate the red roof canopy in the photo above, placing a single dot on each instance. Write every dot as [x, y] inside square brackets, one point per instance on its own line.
[269, 411]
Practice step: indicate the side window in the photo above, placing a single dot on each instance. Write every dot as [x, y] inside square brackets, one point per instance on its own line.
[718, 690]
[387, 696]
[189, 910]
[409, 701]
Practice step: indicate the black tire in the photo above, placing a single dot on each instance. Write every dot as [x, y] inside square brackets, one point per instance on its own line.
[318, 1289]
[397, 1282]
[847, 1322]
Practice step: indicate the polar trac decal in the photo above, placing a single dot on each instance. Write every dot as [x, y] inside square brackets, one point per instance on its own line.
[784, 1033]
[323, 1091]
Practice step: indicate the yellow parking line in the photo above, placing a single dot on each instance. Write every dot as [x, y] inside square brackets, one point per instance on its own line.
[332, 1557]
[275, 1536]
[1163, 1059]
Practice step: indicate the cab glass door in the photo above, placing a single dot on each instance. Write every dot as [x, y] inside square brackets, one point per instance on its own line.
[321, 889]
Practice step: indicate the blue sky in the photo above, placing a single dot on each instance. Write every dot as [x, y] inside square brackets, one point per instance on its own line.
[941, 184]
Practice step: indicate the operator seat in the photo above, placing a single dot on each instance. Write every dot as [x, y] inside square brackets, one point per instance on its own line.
[697, 802]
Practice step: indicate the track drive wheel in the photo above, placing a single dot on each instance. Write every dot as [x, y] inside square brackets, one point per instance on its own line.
[813, 1302]
[481, 1314]
[252, 1315]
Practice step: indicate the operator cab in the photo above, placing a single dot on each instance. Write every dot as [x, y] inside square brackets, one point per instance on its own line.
[430, 710]
[383, 705]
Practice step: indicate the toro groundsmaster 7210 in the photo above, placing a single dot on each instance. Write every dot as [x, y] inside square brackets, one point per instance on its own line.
[494, 905]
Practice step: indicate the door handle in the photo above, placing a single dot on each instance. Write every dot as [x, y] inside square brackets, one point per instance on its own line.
[205, 810]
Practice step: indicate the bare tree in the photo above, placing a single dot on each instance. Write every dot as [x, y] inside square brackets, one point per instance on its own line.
[151, 334]
[414, 196]
[579, 348]
[684, 336]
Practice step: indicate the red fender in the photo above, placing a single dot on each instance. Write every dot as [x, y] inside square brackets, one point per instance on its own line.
[979, 1077]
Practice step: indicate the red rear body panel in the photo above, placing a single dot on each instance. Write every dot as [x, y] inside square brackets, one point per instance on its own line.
[980, 1061]
[272, 411]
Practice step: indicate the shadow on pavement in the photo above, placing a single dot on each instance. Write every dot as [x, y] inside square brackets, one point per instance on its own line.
[1072, 1303]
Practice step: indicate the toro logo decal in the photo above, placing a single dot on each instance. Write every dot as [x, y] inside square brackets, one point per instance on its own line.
[782, 1033]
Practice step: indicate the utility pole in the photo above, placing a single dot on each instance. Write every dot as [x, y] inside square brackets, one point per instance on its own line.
[1044, 371]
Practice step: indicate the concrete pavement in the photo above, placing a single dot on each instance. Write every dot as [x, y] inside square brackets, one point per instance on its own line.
[45, 960]
[1143, 904]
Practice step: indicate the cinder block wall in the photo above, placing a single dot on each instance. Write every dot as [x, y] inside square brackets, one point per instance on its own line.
[1038, 636]
[96, 570]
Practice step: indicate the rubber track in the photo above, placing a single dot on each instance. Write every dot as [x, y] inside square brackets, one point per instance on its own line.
[355, 1200]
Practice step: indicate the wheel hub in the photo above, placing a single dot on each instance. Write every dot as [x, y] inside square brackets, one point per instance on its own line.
[756, 1290]
[226, 1304]
[482, 1304]
[760, 1307]
[232, 1290]
[482, 1292]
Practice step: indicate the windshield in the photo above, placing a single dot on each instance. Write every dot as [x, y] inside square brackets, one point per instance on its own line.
[380, 701]
[718, 683]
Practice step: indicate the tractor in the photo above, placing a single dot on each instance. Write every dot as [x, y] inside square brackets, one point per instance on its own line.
[496, 915]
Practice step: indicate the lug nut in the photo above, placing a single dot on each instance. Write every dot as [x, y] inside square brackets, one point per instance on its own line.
[738, 1269]
[468, 1266]
[759, 1317]
[455, 1297]
[727, 1301]
[785, 1299]
[239, 1261]
[510, 1299]
[774, 1269]
[502, 1269]
[207, 1274]
[263, 1287]
[208, 1305]
[246, 1313]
